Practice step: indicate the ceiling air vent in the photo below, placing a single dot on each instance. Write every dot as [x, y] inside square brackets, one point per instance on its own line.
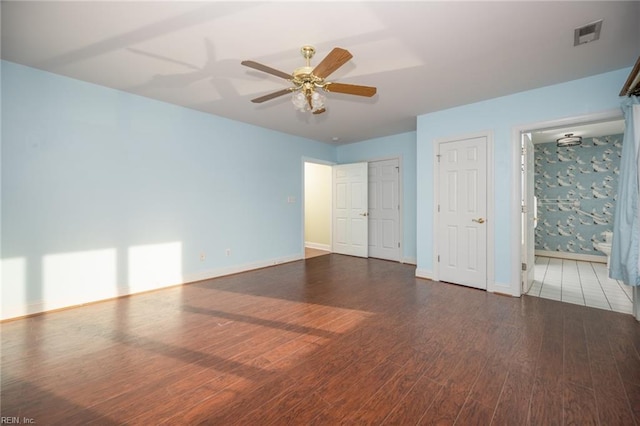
[587, 33]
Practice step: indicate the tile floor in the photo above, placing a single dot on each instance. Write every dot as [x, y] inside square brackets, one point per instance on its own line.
[582, 283]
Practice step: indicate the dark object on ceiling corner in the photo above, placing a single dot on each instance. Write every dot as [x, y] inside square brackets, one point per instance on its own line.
[632, 85]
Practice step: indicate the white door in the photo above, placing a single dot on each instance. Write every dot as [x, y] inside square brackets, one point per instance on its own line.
[528, 213]
[350, 215]
[384, 209]
[462, 208]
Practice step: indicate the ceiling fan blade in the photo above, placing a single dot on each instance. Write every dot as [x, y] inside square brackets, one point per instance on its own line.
[272, 95]
[350, 89]
[334, 60]
[319, 111]
[268, 70]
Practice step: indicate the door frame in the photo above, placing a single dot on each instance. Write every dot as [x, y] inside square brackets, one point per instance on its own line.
[528, 210]
[488, 135]
[401, 258]
[304, 195]
[368, 160]
[516, 178]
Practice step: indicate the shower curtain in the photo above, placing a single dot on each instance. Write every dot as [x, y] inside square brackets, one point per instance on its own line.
[625, 253]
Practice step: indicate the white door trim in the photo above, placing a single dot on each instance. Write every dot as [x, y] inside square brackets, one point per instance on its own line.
[527, 215]
[516, 178]
[491, 285]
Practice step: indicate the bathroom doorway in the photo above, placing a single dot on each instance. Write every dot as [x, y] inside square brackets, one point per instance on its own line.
[574, 182]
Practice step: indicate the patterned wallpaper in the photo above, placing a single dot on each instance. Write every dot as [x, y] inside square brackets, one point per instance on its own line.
[585, 178]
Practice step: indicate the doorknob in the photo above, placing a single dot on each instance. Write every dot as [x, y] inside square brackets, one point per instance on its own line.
[480, 220]
[364, 214]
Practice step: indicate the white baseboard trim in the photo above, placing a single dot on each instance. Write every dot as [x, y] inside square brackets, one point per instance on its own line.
[317, 246]
[502, 288]
[48, 306]
[236, 269]
[13, 312]
[424, 273]
[572, 256]
[409, 260]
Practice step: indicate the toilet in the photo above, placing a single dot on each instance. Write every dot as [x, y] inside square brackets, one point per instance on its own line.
[605, 247]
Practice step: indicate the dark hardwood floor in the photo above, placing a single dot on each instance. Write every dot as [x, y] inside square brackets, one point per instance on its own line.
[329, 340]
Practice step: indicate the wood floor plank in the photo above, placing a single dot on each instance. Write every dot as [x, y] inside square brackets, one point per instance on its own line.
[413, 406]
[489, 383]
[576, 365]
[376, 409]
[343, 404]
[542, 392]
[627, 359]
[524, 351]
[445, 407]
[276, 410]
[474, 413]
[609, 390]
[579, 405]
[329, 340]
[310, 407]
[212, 393]
[449, 402]
[633, 395]
[546, 406]
[513, 404]
[226, 406]
[441, 368]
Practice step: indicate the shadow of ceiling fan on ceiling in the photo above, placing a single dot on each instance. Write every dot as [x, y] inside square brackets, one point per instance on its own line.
[212, 70]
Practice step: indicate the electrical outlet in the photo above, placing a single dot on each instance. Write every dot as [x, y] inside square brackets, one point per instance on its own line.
[228, 252]
[203, 256]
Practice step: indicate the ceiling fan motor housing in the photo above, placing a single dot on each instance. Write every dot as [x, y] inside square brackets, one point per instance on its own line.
[307, 52]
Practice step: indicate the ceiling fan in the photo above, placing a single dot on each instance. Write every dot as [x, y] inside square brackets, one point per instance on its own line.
[307, 79]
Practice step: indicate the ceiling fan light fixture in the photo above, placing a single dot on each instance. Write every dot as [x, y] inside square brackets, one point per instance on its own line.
[317, 100]
[299, 101]
[569, 140]
[310, 101]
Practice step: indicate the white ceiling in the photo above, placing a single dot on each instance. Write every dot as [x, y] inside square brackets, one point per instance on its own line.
[422, 56]
[588, 130]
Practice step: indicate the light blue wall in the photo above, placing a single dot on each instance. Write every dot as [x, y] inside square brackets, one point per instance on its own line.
[105, 179]
[92, 172]
[401, 146]
[500, 116]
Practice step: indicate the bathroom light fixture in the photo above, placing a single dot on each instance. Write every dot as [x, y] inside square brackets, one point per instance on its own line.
[569, 140]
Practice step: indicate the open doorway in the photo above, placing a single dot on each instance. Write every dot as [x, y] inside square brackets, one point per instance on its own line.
[383, 209]
[317, 209]
[569, 193]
